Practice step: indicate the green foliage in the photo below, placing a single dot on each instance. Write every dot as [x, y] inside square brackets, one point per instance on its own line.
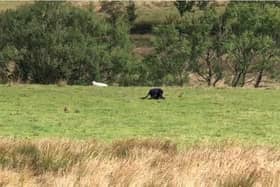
[58, 41]
[169, 64]
[189, 6]
[131, 11]
[205, 41]
[246, 35]
[183, 6]
[173, 51]
[8, 68]
[266, 58]
[192, 43]
[46, 42]
[249, 36]
[243, 49]
[114, 9]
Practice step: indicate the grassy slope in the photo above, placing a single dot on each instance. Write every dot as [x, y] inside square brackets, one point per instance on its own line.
[4, 5]
[115, 112]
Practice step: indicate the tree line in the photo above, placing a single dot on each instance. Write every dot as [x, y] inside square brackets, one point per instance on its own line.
[50, 41]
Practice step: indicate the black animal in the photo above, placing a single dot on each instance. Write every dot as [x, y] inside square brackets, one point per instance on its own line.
[155, 93]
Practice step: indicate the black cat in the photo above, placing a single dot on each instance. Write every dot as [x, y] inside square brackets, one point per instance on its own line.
[155, 93]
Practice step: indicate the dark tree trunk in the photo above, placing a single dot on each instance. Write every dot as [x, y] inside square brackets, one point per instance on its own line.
[181, 81]
[209, 81]
[210, 74]
[243, 78]
[259, 79]
[218, 78]
[236, 79]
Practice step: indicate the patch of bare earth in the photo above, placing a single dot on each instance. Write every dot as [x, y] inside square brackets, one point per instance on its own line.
[135, 163]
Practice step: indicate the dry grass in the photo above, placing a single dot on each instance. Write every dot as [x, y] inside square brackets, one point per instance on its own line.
[135, 163]
[61, 83]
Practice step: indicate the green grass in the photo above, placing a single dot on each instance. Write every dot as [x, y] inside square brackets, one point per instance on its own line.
[201, 114]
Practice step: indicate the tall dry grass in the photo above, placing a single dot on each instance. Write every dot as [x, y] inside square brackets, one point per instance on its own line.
[135, 163]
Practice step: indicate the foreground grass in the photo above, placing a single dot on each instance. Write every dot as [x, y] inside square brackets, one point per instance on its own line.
[187, 115]
[148, 162]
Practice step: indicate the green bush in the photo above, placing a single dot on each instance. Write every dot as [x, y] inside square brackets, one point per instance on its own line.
[52, 41]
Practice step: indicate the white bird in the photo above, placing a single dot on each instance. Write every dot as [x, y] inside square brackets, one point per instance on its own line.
[99, 84]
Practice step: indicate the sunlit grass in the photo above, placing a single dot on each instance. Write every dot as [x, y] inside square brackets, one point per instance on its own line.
[135, 162]
[187, 115]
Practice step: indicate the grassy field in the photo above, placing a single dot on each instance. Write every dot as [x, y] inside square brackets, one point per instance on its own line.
[194, 119]
[188, 115]
[5, 5]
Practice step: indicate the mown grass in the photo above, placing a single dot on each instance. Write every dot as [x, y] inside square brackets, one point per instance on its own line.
[188, 115]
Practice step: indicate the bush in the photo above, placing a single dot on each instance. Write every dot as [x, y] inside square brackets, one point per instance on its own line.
[52, 41]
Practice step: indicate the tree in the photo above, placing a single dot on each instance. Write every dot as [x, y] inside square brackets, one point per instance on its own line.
[184, 6]
[189, 6]
[115, 10]
[266, 58]
[172, 54]
[241, 42]
[56, 40]
[131, 11]
[251, 34]
[242, 50]
[8, 67]
[269, 44]
[204, 34]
